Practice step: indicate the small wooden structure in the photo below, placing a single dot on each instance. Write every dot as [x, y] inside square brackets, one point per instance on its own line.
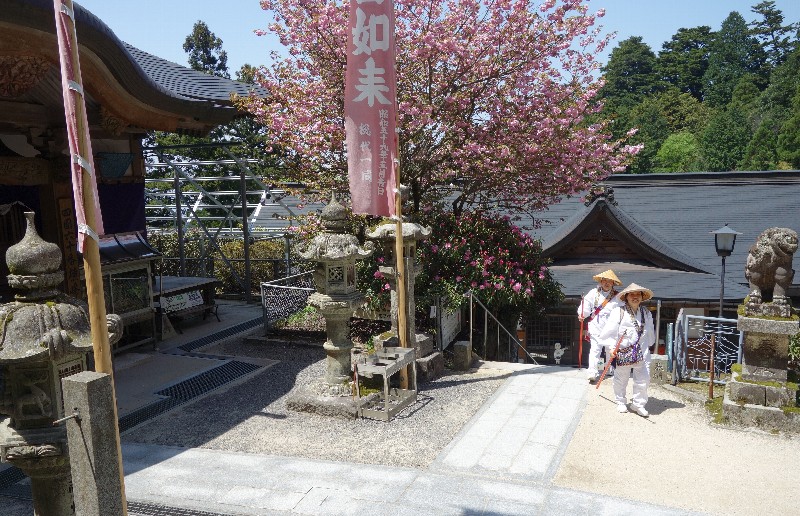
[388, 362]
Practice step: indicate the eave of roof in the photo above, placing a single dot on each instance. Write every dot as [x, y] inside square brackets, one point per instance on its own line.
[628, 229]
[194, 96]
[667, 285]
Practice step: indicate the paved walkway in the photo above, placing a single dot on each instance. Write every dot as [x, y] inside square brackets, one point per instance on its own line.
[502, 462]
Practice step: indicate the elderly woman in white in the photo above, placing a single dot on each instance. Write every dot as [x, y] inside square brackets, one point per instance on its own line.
[593, 310]
[631, 325]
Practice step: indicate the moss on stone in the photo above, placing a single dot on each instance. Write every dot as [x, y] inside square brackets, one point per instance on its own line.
[714, 408]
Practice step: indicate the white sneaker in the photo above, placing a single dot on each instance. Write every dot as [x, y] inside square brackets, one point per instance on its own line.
[641, 411]
[621, 408]
[593, 378]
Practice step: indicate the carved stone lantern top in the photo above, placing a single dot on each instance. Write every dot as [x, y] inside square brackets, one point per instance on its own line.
[41, 323]
[332, 244]
[411, 231]
[334, 216]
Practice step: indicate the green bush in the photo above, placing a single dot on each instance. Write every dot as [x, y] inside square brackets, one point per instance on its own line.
[267, 259]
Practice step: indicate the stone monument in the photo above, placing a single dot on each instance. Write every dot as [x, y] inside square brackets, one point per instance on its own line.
[759, 394]
[334, 253]
[44, 336]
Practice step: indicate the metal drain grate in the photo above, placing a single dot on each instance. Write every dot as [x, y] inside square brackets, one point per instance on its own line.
[150, 509]
[178, 394]
[187, 390]
[222, 334]
[10, 477]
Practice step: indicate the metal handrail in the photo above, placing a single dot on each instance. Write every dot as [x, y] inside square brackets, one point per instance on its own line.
[512, 337]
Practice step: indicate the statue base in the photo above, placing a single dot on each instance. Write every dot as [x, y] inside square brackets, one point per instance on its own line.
[324, 399]
[770, 408]
[783, 310]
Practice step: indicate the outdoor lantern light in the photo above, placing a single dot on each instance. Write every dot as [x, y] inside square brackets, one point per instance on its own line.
[724, 240]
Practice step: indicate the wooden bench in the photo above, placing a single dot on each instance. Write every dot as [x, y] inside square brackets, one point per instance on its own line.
[180, 297]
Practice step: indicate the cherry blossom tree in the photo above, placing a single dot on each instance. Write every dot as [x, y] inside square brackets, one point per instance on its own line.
[494, 96]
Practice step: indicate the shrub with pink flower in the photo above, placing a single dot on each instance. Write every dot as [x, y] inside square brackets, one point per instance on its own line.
[489, 255]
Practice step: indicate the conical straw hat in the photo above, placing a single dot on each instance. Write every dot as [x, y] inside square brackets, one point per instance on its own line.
[609, 274]
[633, 287]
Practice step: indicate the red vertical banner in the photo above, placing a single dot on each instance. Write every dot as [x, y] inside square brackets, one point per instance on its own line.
[370, 107]
[80, 144]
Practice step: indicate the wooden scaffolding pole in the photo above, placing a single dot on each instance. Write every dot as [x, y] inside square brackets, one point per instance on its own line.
[400, 280]
[73, 92]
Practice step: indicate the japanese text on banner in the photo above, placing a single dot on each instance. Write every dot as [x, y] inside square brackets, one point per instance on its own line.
[369, 107]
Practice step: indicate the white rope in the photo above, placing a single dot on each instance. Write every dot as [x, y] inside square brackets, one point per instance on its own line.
[86, 230]
[74, 86]
[87, 166]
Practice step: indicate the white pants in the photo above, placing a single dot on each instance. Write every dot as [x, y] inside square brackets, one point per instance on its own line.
[594, 357]
[641, 381]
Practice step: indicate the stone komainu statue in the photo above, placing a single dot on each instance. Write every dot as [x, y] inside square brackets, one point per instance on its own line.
[769, 265]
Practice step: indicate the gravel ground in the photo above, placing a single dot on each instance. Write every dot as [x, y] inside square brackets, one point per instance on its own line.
[252, 416]
[677, 457]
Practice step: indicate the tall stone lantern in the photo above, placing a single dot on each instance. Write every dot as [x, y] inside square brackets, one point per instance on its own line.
[412, 233]
[44, 337]
[335, 254]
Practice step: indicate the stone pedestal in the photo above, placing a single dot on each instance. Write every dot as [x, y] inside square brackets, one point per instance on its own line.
[765, 352]
[94, 458]
[658, 369]
[760, 395]
[462, 355]
[337, 312]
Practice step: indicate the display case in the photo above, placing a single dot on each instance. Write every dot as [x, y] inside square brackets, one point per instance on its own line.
[126, 267]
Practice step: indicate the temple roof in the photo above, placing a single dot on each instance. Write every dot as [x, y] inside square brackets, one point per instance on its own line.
[141, 90]
[663, 223]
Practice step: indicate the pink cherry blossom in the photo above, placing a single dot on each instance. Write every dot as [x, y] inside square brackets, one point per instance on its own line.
[495, 92]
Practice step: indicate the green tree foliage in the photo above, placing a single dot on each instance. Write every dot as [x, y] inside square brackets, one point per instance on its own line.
[630, 76]
[733, 54]
[683, 60]
[682, 111]
[724, 140]
[776, 100]
[653, 129]
[678, 153]
[789, 135]
[744, 76]
[762, 150]
[775, 37]
[205, 51]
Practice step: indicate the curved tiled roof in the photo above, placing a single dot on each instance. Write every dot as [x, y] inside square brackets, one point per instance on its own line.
[638, 236]
[674, 215]
[154, 81]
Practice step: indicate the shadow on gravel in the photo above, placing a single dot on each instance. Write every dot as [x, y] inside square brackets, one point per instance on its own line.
[658, 406]
[212, 415]
[443, 383]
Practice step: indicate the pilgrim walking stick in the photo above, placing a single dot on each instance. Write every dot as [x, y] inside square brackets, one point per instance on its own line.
[613, 356]
[580, 338]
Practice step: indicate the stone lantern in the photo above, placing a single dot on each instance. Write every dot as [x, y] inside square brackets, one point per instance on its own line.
[44, 337]
[412, 233]
[335, 253]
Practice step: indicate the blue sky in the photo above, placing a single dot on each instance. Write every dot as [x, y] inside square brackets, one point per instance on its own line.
[160, 26]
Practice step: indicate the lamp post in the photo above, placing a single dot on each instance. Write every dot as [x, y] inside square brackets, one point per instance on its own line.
[724, 241]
